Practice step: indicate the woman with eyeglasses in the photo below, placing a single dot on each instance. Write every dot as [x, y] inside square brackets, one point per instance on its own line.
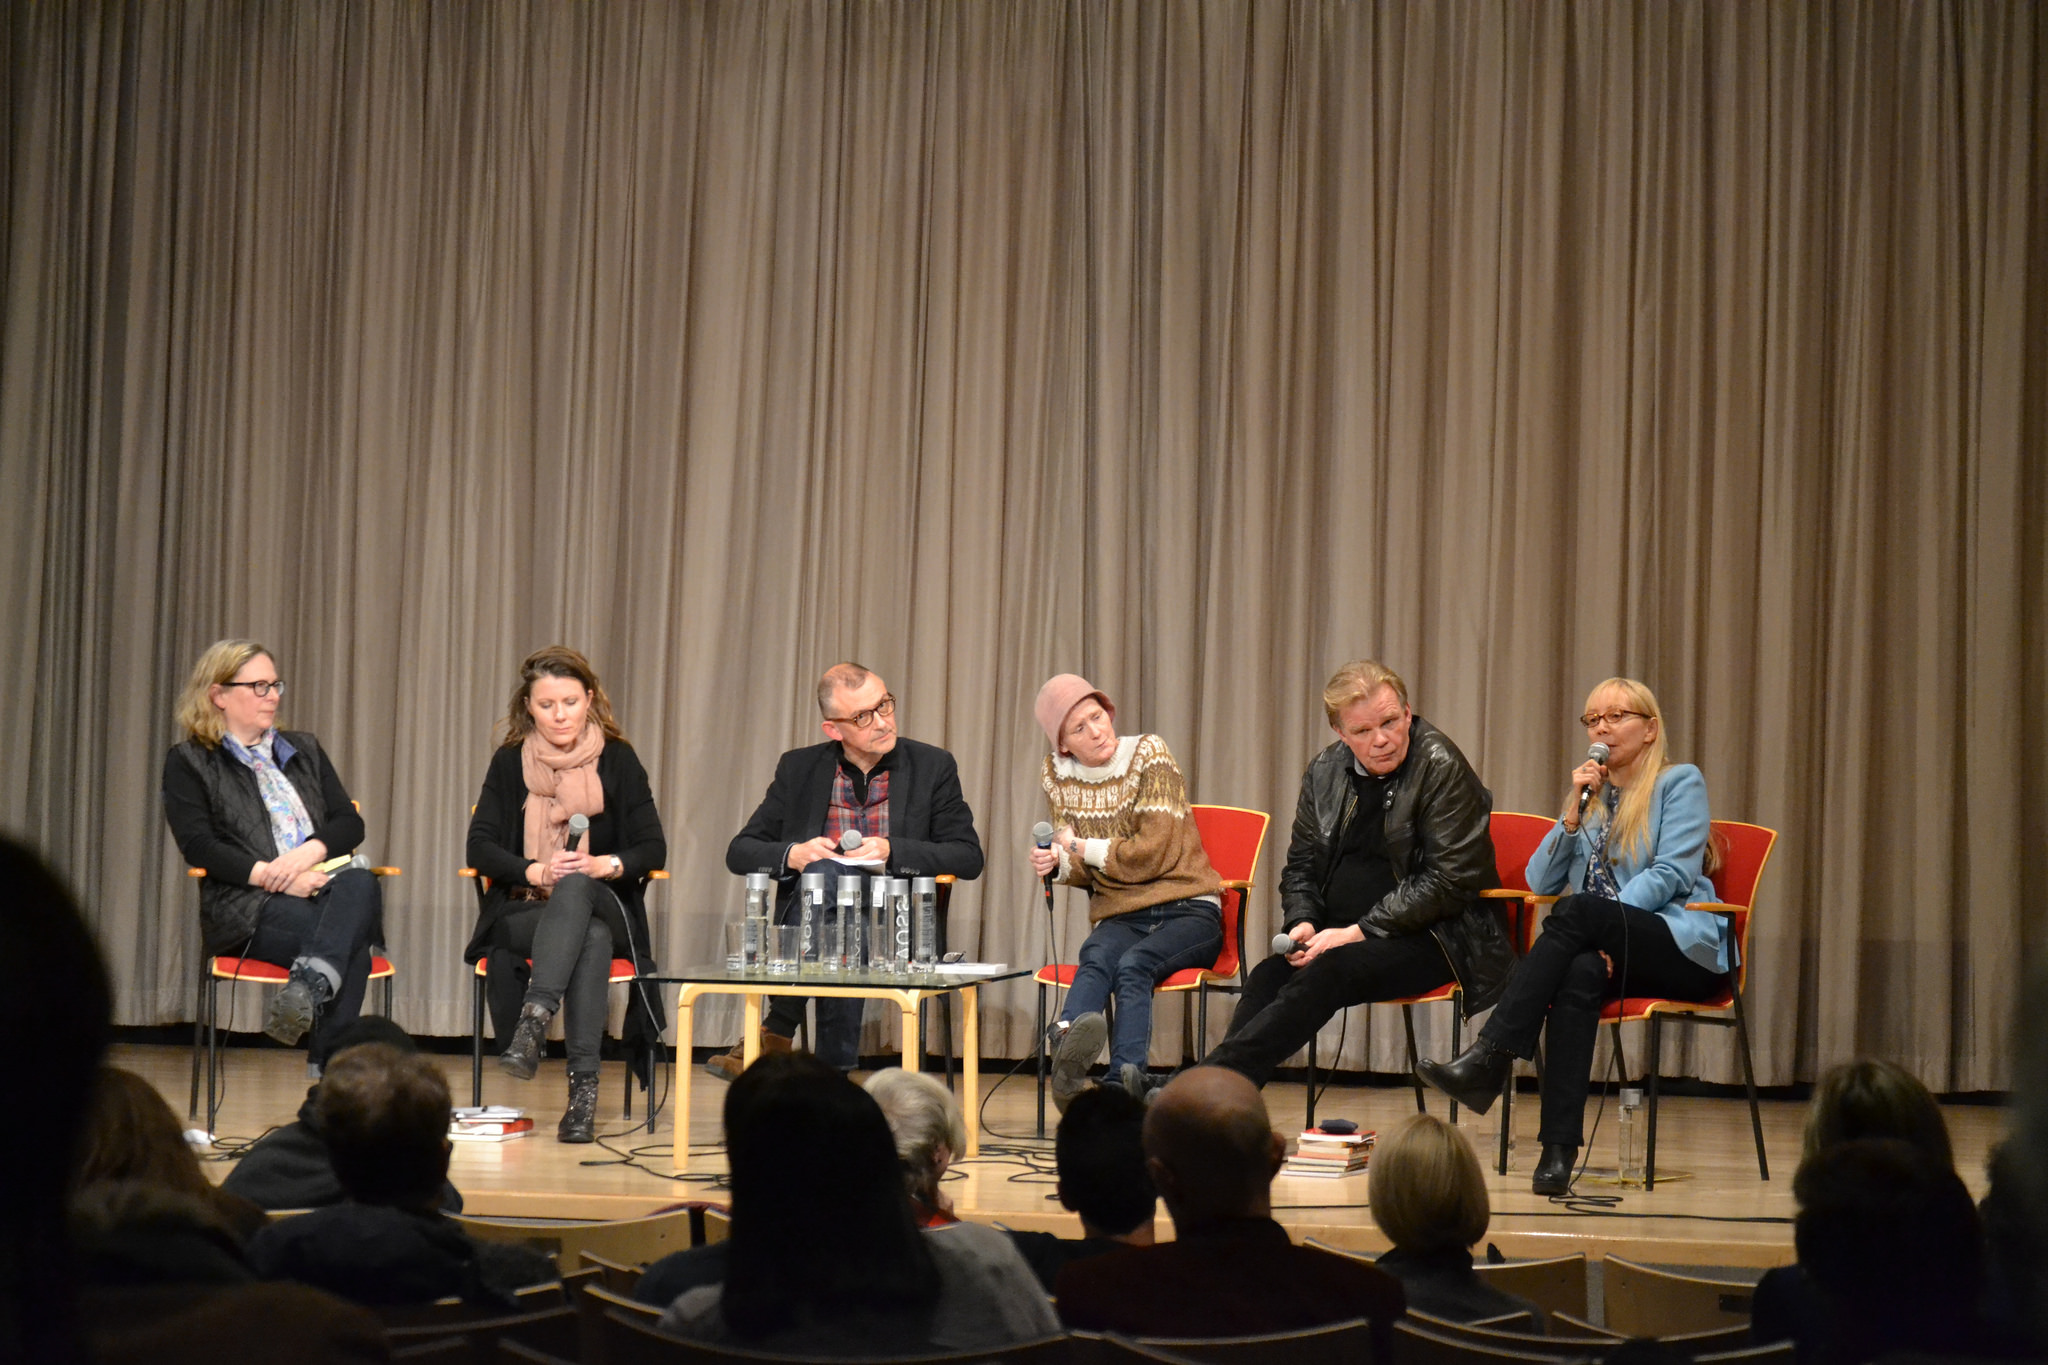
[264, 814]
[570, 903]
[1124, 832]
[1632, 847]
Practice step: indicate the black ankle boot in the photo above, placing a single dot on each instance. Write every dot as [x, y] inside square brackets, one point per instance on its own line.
[1474, 1078]
[520, 1057]
[1554, 1169]
[296, 1009]
[579, 1121]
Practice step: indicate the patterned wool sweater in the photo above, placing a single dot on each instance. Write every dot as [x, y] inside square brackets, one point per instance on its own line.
[1142, 848]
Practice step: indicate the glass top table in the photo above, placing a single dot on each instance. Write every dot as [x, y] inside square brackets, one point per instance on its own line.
[906, 992]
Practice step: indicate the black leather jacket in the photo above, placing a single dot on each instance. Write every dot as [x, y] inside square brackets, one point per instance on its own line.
[1440, 841]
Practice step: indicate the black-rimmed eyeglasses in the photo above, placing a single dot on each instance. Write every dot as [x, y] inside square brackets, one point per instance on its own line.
[1614, 717]
[861, 720]
[262, 688]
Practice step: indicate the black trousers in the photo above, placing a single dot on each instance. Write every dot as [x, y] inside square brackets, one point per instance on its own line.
[572, 937]
[1284, 1006]
[1558, 989]
[335, 927]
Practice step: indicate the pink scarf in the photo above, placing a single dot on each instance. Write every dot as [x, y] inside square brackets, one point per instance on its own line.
[559, 783]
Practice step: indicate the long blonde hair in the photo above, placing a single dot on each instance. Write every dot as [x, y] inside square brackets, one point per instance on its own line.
[1630, 836]
[196, 714]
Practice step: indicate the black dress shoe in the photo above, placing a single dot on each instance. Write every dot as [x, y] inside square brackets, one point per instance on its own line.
[579, 1120]
[1474, 1078]
[1554, 1169]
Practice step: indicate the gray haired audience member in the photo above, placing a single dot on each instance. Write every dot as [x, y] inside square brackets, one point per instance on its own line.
[1099, 1153]
[385, 1114]
[929, 1130]
[1427, 1194]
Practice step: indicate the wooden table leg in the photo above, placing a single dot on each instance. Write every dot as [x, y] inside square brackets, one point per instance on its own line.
[970, 1066]
[680, 1121]
[909, 1001]
[750, 1031]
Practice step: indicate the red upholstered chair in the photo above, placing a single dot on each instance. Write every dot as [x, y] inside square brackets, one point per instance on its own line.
[1515, 837]
[622, 971]
[1232, 836]
[1745, 849]
[206, 1037]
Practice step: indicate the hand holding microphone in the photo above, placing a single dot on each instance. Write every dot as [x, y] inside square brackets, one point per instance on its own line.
[571, 860]
[1589, 777]
[1044, 861]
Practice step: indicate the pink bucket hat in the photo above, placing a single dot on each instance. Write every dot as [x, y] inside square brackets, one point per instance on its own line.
[1061, 695]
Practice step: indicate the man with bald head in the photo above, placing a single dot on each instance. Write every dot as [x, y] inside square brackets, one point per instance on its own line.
[1230, 1270]
[901, 798]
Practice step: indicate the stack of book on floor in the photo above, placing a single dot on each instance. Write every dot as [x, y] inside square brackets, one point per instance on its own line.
[489, 1123]
[1328, 1154]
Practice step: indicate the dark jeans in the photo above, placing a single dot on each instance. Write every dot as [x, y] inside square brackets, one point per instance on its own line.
[1130, 954]
[1283, 1006]
[335, 927]
[1559, 987]
[838, 1040]
[572, 937]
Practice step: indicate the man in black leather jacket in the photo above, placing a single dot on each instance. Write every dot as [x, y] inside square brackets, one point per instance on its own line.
[1392, 845]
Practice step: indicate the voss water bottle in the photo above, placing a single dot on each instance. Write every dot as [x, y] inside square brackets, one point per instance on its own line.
[924, 899]
[810, 920]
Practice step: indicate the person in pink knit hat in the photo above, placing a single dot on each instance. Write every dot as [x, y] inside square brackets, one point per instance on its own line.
[1123, 832]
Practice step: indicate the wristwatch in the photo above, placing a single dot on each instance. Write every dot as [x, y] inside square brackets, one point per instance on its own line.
[618, 866]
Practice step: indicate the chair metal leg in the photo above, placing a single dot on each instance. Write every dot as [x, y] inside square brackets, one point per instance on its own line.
[476, 1040]
[1620, 1055]
[1507, 1116]
[389, 994]
[1457, 1048]
[1650, 1138]
[1756, 1122]
[198, 1032]
[1041, 1059]
[1311, 1084]
[1201, 1048]
[1414, 1059]
[212, 1051]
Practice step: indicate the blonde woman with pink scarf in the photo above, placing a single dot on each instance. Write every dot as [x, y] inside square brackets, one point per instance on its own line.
[568, 906]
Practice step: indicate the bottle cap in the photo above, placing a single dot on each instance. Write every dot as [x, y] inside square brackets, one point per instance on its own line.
[758, 881]
[814, 881]
[1631, 1098]
[925, 886]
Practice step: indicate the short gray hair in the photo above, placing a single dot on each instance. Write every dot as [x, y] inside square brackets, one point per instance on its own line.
[923, 1116]
[842, 677]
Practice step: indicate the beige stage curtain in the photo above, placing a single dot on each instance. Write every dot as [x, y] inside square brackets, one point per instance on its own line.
[1194, 346]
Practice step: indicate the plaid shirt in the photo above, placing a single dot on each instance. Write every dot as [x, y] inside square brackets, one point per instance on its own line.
[867, 813]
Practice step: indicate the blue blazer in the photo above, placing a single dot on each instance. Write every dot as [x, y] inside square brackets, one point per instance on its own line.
[1662, 883]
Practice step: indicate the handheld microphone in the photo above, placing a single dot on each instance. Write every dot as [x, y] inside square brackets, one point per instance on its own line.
[849, 840]
[1041, 834]
[1285, 944]
[1596, 752]
[579, 825]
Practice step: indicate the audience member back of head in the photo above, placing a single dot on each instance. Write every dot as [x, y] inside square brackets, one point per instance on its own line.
[1212, 1154]
[826, 1258]
[1099, 1153]
[1891, 1241]
[385, 1115]
[1427, 1193]
[289, 1167]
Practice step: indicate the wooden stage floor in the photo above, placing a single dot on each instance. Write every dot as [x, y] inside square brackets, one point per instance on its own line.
[1712, 1211]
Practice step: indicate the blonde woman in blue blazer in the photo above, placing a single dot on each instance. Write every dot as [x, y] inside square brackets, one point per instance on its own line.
[1639, 852]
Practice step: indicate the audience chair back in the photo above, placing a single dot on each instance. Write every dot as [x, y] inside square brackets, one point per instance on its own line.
[518, 1353]
[616, 1276]
[1645, 1302]
[1777, 1353]
[1517, 1332]
[1343, 1343]
[625, 1341]
[1556, 1286]
[1233, 837]
[557, 1331]
[1418, 1345]
[631, 1241]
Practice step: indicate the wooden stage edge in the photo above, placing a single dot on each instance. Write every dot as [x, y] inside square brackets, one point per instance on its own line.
[1709, 1207]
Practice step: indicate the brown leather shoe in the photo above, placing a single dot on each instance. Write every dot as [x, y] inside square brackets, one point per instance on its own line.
[728, 1065]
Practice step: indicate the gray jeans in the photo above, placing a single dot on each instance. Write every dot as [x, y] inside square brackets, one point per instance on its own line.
[572, 937]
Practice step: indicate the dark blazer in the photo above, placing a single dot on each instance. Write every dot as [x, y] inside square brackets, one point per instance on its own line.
[931, 829]
[219, 822]
[1238, 1278]
[1439, 833]
[1443, 1284]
